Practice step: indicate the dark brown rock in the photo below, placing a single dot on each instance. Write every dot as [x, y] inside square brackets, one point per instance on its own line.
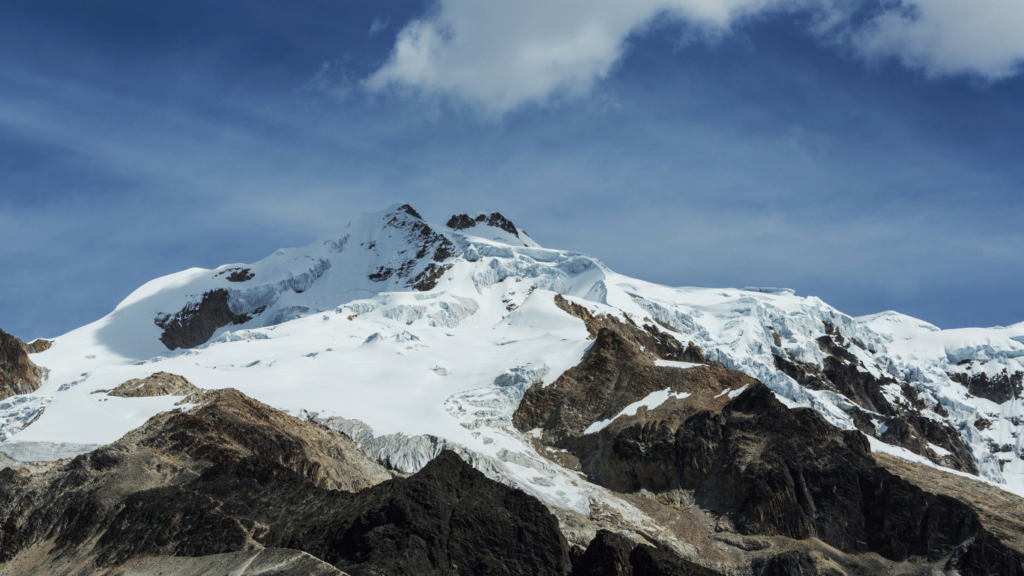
[158, 384]
[496, 220]
[11, 541]
[448, 518]
[658, 561]
[610, 554]
[460, 222]
[382, 274]
[607, 555]
[904, 425]
[614, 373]
[38, 345]
[410, 211]
[771, 470]
[18, 374]
[1000, 388]
[653, 343]
[241, 275]
[419, 272]
[235, 475]
[195, 323]
[793, 563]
[428, 278]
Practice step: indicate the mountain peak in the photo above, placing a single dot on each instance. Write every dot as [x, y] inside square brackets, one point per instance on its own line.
[408, 210]
[494, 220]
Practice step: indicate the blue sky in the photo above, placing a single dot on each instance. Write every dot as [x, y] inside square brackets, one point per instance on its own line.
[869, 154]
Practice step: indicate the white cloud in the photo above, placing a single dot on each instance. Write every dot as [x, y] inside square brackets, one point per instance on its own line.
[944, 37]
[379, 25]
[497, 56]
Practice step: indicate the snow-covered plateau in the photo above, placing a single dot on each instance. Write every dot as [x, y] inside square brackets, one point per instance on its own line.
[413, 337]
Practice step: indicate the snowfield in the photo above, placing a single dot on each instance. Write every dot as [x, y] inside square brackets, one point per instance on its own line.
[334, 332]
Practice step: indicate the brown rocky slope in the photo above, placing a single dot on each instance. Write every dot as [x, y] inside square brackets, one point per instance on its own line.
[724, 442]
[233, 475]
[18, 374]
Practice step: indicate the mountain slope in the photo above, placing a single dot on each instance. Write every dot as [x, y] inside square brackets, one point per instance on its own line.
[726, 426]
[232, 475]
[412, 338]
[18, 374]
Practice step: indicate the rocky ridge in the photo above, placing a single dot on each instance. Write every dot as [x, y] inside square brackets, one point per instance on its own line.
[723, 440]
[157, 384]
[18, 374]
[232, 475]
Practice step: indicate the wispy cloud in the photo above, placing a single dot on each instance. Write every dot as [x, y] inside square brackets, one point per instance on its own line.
[945, 37]
[767, 172]
[379, 24]
[499, 56]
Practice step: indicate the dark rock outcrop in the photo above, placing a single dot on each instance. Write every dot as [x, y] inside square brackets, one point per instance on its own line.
[410, 211]
[612, 555]
[446, 516]
[158, 384]
[495, 220]
[653, 343]
[657, 561]
[903, 423]
[462, 221]
[772, 471]
[793, 563]
[38, 345]
[195, 323]
[237, 274]
[607, 555]
[18, 374]
[617, 370]
[241, 275]
[234, 475]
[1000, 388]
[420, 273]
[428, 278]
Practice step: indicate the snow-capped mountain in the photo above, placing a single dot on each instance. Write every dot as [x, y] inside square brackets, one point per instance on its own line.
[413, 337]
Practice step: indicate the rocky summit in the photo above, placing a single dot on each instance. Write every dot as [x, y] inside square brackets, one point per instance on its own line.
[403, 397]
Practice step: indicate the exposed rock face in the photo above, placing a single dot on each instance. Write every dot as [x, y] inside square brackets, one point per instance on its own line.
[496, 220]
[795, 563]
[18, 374]
[462, 221]
[903, 424]
[38, 345]
[999, 388]
[409, 210]
[612, 555]
[427, 243]
[234, 475]
[241, 275]
[769, 470]
[158, 384]
[613, 374]
[195, 323]
[262, 562]
[428, 278]
[607, 555]
[652, 342]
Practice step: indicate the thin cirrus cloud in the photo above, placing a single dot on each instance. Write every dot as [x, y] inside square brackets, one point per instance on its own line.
[379, 25]
[499, 56]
